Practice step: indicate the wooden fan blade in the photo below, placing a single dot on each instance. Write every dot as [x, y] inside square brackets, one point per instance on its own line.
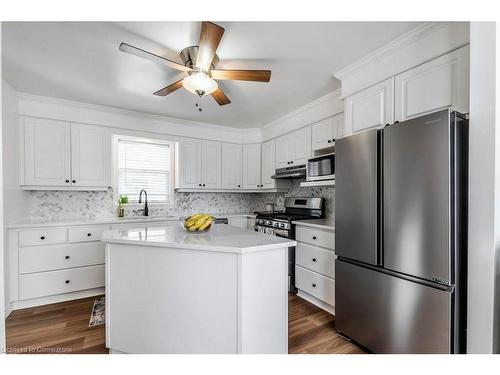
[169, 89]
[124, 47]
[210, 37]
[220, 97]
[242, 75]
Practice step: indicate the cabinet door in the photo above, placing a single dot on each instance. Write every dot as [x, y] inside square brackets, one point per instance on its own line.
[251, 166]
[338, 126]
[90, 155]
[47, 152]
[268, 163]
[322, 133]
[435, 85]
[231, 166]
[189, 163]
[300, 146]
[282, 151]
[370, 108]
[211, 165]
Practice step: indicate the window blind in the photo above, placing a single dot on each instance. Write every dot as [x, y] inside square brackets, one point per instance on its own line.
[146, 166]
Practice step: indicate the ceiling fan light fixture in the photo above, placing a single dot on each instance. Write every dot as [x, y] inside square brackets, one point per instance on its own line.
[200, 83]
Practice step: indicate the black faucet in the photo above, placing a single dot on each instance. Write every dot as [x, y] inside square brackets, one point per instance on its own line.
[146, 209]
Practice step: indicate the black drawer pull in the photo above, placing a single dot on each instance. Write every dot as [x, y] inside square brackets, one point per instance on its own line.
[203, 184]
[42, 238]
[314, 237]
[67, 181]
[239, 185]
[66, 257]
[89, 234]
[314, 285]
[73, 181]
[314, 259]
[329, 141]
[67, 281]
[199, 184]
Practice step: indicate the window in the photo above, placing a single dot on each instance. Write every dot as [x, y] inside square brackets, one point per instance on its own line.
[145, 164]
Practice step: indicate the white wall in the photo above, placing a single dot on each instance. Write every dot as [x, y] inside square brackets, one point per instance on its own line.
[484, 193]
[2, 303]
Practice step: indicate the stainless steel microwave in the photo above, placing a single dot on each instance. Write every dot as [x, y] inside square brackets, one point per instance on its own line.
[321, 168]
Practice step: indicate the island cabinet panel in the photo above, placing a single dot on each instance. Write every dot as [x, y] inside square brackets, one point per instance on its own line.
[175, 301]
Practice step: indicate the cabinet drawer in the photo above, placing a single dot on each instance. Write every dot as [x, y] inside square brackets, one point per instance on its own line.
[64, 281]
[55, 257]
[316, 259]
[42, 236]
[316, 237]
[315, 284]
[85, 234]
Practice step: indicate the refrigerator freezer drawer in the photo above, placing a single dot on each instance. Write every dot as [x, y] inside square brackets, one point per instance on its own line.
[388, 314]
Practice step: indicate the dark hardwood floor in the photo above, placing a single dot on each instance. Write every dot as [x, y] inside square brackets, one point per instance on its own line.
[63, 328]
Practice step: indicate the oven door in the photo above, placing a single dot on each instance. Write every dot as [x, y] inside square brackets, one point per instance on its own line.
[321, 168]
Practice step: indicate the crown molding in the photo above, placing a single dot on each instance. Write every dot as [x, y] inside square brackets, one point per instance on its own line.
[402, 41]
[304, 108]
[127, 112]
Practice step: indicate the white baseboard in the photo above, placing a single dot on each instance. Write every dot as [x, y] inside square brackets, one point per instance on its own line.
[8, 309]
[16, 305]
[317, 302]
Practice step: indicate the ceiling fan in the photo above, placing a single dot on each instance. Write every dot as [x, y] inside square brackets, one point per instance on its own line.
[199, 65]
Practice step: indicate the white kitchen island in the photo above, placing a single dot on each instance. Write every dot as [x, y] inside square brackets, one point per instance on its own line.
[170, 291]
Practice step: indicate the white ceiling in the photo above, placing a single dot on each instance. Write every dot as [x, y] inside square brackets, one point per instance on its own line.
[81, 61]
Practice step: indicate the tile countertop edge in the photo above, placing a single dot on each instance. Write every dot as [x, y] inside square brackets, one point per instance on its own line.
[326, 224]
[59, 223]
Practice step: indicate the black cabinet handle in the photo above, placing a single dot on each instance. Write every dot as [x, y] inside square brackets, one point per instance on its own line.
[329, 141]
[203, 184]
[67, 281]
[314, 237]
[333, 140]
[314, 285]
[291, 162]
[89, 234]
[239, 185]
[74, 181]
[199, 184]
[42, 238]
[66, 257]
[67, 181]
[314, 259]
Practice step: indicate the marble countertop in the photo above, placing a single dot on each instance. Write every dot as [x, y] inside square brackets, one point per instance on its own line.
[220, 238]
[328, 224]
[113, 220]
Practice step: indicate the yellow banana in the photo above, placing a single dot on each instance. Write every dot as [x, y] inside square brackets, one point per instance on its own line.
[205, 224]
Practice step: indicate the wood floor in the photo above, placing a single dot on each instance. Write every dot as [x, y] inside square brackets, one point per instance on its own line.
[63, 328]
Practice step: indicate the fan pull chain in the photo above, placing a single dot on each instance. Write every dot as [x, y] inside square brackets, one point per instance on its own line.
[198, 105]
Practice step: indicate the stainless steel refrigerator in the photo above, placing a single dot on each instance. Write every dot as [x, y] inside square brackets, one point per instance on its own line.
[401, 235]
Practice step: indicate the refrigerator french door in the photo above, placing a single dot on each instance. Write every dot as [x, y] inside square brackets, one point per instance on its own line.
[401, 271]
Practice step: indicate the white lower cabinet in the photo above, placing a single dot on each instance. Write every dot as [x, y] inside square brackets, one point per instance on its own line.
[315, 266]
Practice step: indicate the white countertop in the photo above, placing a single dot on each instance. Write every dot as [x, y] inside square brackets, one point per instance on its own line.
[220, 238]
[327, 224]
[112, 220]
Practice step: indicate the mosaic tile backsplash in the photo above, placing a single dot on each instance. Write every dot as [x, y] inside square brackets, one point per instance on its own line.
[89, 205]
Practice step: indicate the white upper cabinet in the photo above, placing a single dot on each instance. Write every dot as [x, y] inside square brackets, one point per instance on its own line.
[435, 85]
[90, 155]
[325, 132]
[300, 149]
[47, 152]
[231, 166]
[211, 165]
[293, 148]
[283, 151]
[370, 108]
[251, 166]
[322, 134]
[189, 163]
[268, 163]
[57, 154]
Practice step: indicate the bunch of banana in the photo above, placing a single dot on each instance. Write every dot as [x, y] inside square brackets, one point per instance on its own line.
[198, 222]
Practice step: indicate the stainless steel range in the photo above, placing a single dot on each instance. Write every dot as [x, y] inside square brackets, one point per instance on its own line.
[279, 223]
